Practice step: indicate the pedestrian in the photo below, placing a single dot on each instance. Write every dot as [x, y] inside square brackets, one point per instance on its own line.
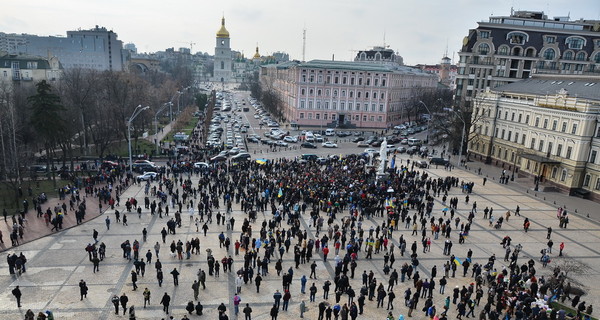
[302, 308]
[561, 247]
[134, 279]
[17, 293]
[165, 301]
[236, 303]
[274, 312]
[124, 299]
[83, 289]
[175, 274]
[146, 295]
[196, 288]
[115, 301]
[247, 312]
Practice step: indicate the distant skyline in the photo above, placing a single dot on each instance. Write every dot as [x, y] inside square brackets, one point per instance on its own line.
[419, 31]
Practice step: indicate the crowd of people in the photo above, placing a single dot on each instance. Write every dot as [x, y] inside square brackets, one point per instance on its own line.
[274, 220]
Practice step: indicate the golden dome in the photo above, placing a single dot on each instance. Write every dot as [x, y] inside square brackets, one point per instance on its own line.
[256, 55]
[223, 33]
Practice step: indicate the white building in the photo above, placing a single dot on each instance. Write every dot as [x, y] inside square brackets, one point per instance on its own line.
[223, 66]
[546, 127]
[345, 93]
[97, 48]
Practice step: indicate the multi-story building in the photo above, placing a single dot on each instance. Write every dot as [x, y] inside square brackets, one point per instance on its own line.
[546, 127]
[97, 48]
[348, 93]
[15, 69]
[506, 49]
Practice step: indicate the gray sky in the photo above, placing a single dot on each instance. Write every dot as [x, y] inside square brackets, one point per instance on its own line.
[417, 29]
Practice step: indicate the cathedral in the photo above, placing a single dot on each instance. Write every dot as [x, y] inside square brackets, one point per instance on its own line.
[223, 66]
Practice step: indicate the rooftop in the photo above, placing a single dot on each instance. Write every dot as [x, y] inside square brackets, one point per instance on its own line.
[351, 65]
[586, 88]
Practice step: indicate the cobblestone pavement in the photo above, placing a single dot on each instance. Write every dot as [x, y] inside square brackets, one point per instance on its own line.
[58, 262]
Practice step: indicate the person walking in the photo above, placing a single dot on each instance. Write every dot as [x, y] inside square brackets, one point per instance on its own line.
[166, 301]
[286, 299]
[124, 299]
[83, 289]
[277, 297]
[17, 293]
[274, 312]
[247, 312]
[196, 288]
[115, 300]
[134, 279]
[146, 297]
[236, 304]
[175, 274]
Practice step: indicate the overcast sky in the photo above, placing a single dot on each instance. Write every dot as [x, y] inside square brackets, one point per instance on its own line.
[418, 30]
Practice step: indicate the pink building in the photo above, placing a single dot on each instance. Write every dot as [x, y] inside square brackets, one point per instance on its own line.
[345, 93]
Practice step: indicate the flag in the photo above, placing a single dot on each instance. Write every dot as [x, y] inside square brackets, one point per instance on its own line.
[457, 261]
[261, 161]
[280, 194]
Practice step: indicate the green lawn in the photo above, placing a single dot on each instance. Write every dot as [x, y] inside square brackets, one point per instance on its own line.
[39, 186]
[568, 309]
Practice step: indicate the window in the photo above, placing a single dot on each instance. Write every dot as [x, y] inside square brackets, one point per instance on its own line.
[517, 37]
[484, 48]
[509, 135]
[301, 115]
[532, 143]
[516, 137]
[484, 34]
[310, 116]
[563, 175]
[506, 115]
[545, 123]
[302, 106]
[559, 150]
[503, 50]
[302, 92]
[523, 138]
[554, 124]
[310, 104]
[568, 55]
[581, 56]
[574, 128]
[541, 146]
[597, 58]
[575, 42]
[564, 127]
[586, 180]
[319, 92]
[318, 116]
[537, 122]
[593, 156]
[549, 148]
[503, 132]
[549, 54]
[554, 170]
[598, 184]
[512, 117]
[550, 39]
[527, 119]
[520, 117]
[336, 80]
[222, 65]
[569, 150]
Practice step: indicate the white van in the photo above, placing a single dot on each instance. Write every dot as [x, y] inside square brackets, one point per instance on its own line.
[309, 137]
[330, 132]
[414, 142]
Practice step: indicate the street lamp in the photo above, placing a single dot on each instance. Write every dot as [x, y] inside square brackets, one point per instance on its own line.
[135, 113]
[429, 120]
[462, 136]
[156, 125]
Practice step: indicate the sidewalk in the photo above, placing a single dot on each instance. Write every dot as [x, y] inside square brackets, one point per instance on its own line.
[35, 228]
[525, 185]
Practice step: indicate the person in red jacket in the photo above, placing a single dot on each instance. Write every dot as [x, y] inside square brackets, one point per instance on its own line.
[325, 252]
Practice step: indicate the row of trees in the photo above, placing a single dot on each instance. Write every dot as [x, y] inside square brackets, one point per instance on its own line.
[83, 113]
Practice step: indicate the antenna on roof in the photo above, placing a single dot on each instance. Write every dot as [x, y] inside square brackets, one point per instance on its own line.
[304, 44]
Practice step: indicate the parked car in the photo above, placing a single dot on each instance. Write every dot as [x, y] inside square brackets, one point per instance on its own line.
[438, 161]
[358, 139]
[362, 144]
[147, 176]
[421, 164]
[309, 145]
[200, 165]
[328, 144]
[241, 156]
[401, 149]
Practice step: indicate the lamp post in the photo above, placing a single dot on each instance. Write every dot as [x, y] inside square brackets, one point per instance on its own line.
[462, 136]
[156, 126]
[135, 113]
[429, 120]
